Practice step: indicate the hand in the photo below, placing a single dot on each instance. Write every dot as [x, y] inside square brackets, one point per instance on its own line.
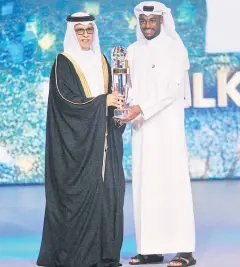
[134, 111]
[114, 100]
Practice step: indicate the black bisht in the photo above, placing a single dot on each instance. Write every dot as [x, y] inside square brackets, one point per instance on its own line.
[83, 224]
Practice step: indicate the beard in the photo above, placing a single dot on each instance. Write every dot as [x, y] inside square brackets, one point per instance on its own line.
[154, 33]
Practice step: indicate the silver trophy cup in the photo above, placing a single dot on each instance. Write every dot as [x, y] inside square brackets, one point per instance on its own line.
[120, 74]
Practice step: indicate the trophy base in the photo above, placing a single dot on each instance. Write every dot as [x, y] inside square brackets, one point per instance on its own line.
[121, 113]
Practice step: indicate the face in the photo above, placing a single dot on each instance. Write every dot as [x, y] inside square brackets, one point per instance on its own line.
[84, 35]
[150, 25]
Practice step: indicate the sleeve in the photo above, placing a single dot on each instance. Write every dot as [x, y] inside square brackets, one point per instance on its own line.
[129, 99]
[150, 109]
[187, 91]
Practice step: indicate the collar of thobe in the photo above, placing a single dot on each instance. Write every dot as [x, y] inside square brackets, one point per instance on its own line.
[155, 46]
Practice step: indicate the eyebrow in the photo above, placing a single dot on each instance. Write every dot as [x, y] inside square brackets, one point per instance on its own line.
[152, 17]
[82, 25]
[80, 28]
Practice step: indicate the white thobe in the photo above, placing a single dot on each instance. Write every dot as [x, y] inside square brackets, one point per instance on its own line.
[162, 198]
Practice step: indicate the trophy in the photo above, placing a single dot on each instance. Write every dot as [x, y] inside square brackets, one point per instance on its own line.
[120, 73]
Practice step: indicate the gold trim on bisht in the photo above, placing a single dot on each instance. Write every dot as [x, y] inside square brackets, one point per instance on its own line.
[106, 80]
[105, 74]
[88, 94]
[56, 80]
[81, 76]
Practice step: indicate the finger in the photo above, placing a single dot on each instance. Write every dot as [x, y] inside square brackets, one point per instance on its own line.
[123, 121]
[120, 100]
[131, 117]
[114, 102]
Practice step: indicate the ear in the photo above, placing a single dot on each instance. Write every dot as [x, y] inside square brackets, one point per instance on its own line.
[161, 19]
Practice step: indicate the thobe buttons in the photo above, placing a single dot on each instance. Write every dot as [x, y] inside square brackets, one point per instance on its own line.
[153, 66]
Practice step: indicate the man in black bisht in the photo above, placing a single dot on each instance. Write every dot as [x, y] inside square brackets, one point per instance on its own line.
[83, 224]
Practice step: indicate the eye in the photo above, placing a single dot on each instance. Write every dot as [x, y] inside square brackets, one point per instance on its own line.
[153, 21]
[90, 30]
[80, 31]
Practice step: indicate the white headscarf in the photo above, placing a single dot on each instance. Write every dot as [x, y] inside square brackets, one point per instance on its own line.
[159, 9]
[168, 25]
[89, 61]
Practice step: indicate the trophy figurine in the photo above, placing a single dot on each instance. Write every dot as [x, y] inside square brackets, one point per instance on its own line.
[120, 73]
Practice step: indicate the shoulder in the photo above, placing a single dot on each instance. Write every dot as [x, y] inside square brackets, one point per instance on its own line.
[130, 50]
[64, 62]
[62, 59]
[180, 51]
[63, 65]
[180, 47]
[132, 46]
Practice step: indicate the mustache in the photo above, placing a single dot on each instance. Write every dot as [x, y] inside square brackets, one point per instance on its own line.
[145, 29]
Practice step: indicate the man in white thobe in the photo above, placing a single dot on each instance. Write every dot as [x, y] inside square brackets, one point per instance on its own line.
[162, 198]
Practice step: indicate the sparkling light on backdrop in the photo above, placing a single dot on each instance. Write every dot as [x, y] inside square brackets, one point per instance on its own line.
[31, 36]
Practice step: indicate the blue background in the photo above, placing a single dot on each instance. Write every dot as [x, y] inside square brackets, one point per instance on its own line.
[31, 36]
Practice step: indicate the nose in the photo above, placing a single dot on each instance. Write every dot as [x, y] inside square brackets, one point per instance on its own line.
[147, 24]
[85, 33]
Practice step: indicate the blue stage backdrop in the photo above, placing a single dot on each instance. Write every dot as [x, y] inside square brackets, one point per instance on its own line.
[31, 36]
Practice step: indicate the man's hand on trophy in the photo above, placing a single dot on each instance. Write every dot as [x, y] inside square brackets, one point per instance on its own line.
[134, 112]
[115, 100]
